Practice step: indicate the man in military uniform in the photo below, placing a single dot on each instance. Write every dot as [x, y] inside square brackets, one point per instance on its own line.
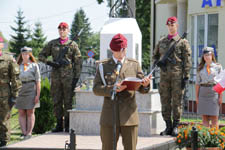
[126, 107]
[174, 77]
[9, 87]
[66, 68]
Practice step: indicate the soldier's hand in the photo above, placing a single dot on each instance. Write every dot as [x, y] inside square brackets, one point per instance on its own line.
[120, 87]
[146, 81]
[11, 102]
[53, 64]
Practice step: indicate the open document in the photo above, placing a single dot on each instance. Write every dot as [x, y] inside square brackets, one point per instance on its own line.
[132, 83]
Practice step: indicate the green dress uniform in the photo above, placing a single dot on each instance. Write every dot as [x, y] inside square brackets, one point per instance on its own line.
[127, 115]
[170, 90]
[62, 77]
[9, 88]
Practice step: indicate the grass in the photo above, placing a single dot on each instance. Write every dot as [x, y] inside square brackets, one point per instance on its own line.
[15, 127]
[199, 120]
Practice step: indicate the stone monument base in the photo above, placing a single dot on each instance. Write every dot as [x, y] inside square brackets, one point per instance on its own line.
[84, 119]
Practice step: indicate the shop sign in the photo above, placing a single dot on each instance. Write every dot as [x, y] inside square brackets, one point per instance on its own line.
[211, 3]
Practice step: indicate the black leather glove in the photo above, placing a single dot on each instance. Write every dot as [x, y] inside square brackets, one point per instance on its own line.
[184, 82]
[74, 82]
[155, 63]
[53, 64]
[11, 102]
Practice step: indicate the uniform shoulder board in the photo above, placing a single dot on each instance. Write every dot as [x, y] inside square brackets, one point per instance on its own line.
[104, 60]
[54, 41]
[9, 56]
[162, 38]
[132, 59]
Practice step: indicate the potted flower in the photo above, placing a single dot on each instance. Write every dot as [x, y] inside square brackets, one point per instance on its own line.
[208, 138]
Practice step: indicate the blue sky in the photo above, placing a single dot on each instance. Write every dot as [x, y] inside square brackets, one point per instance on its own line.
[50, 13]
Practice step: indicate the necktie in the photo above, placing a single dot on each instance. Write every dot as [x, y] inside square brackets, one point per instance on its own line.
[25, 67]
[208, 69]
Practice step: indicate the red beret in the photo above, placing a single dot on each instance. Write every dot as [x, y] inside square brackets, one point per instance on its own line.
[171, 20]
[63, 25]
[118, 42]
[1, 40]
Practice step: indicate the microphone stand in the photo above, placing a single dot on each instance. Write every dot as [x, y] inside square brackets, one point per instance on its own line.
[113, 98]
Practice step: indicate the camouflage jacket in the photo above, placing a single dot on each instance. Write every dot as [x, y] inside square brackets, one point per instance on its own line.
[73, 55]
[9, 76]
[182, 54]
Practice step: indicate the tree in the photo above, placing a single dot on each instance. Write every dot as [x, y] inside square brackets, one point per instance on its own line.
[81, 26]
[38, 39]
[143, 9]
[20, 39]
[94, 42]
[143, 19]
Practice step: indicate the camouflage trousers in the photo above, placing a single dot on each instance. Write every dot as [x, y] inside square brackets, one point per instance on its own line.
[171, 95]
[61, 91]
[4, 119]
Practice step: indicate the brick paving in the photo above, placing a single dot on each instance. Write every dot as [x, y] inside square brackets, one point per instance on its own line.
[57, 141]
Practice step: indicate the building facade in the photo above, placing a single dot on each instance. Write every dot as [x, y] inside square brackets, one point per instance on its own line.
[204, 20]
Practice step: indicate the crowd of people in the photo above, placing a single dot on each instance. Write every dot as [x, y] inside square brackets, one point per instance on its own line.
[20, 83]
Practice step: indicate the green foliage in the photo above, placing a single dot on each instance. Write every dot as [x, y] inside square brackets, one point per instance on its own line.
[81, 25]
[38, 39]
[45, 119]
[143, 13]
[222, 129]
[22, 34]
[94, 43]
[207, 137]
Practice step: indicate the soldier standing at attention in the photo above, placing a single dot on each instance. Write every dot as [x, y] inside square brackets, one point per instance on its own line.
[174, 78]
[9, 89]
[66, 67]
[126, 107]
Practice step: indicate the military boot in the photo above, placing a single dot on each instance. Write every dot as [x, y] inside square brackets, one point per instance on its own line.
[67, 123]
[59, 126]
[168, 130]
[3, 143]
[175, 128]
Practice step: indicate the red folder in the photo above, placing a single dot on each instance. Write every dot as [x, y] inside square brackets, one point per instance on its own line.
[132, 83]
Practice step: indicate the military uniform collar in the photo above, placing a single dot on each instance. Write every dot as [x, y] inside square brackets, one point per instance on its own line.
[63, 43]
[27, 63]
[212, 64]
[115, 60]
[176, 38]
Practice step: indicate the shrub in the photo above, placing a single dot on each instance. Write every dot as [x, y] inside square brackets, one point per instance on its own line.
[207, 137]
[45, 119]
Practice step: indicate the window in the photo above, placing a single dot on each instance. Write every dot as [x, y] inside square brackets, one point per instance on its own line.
[204, 32]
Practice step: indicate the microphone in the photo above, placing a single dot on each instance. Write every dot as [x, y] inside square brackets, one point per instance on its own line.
[118, 67]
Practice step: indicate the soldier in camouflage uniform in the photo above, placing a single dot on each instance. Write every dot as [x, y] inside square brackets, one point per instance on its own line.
[9, 87]
[173, 79]
[66, 68]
